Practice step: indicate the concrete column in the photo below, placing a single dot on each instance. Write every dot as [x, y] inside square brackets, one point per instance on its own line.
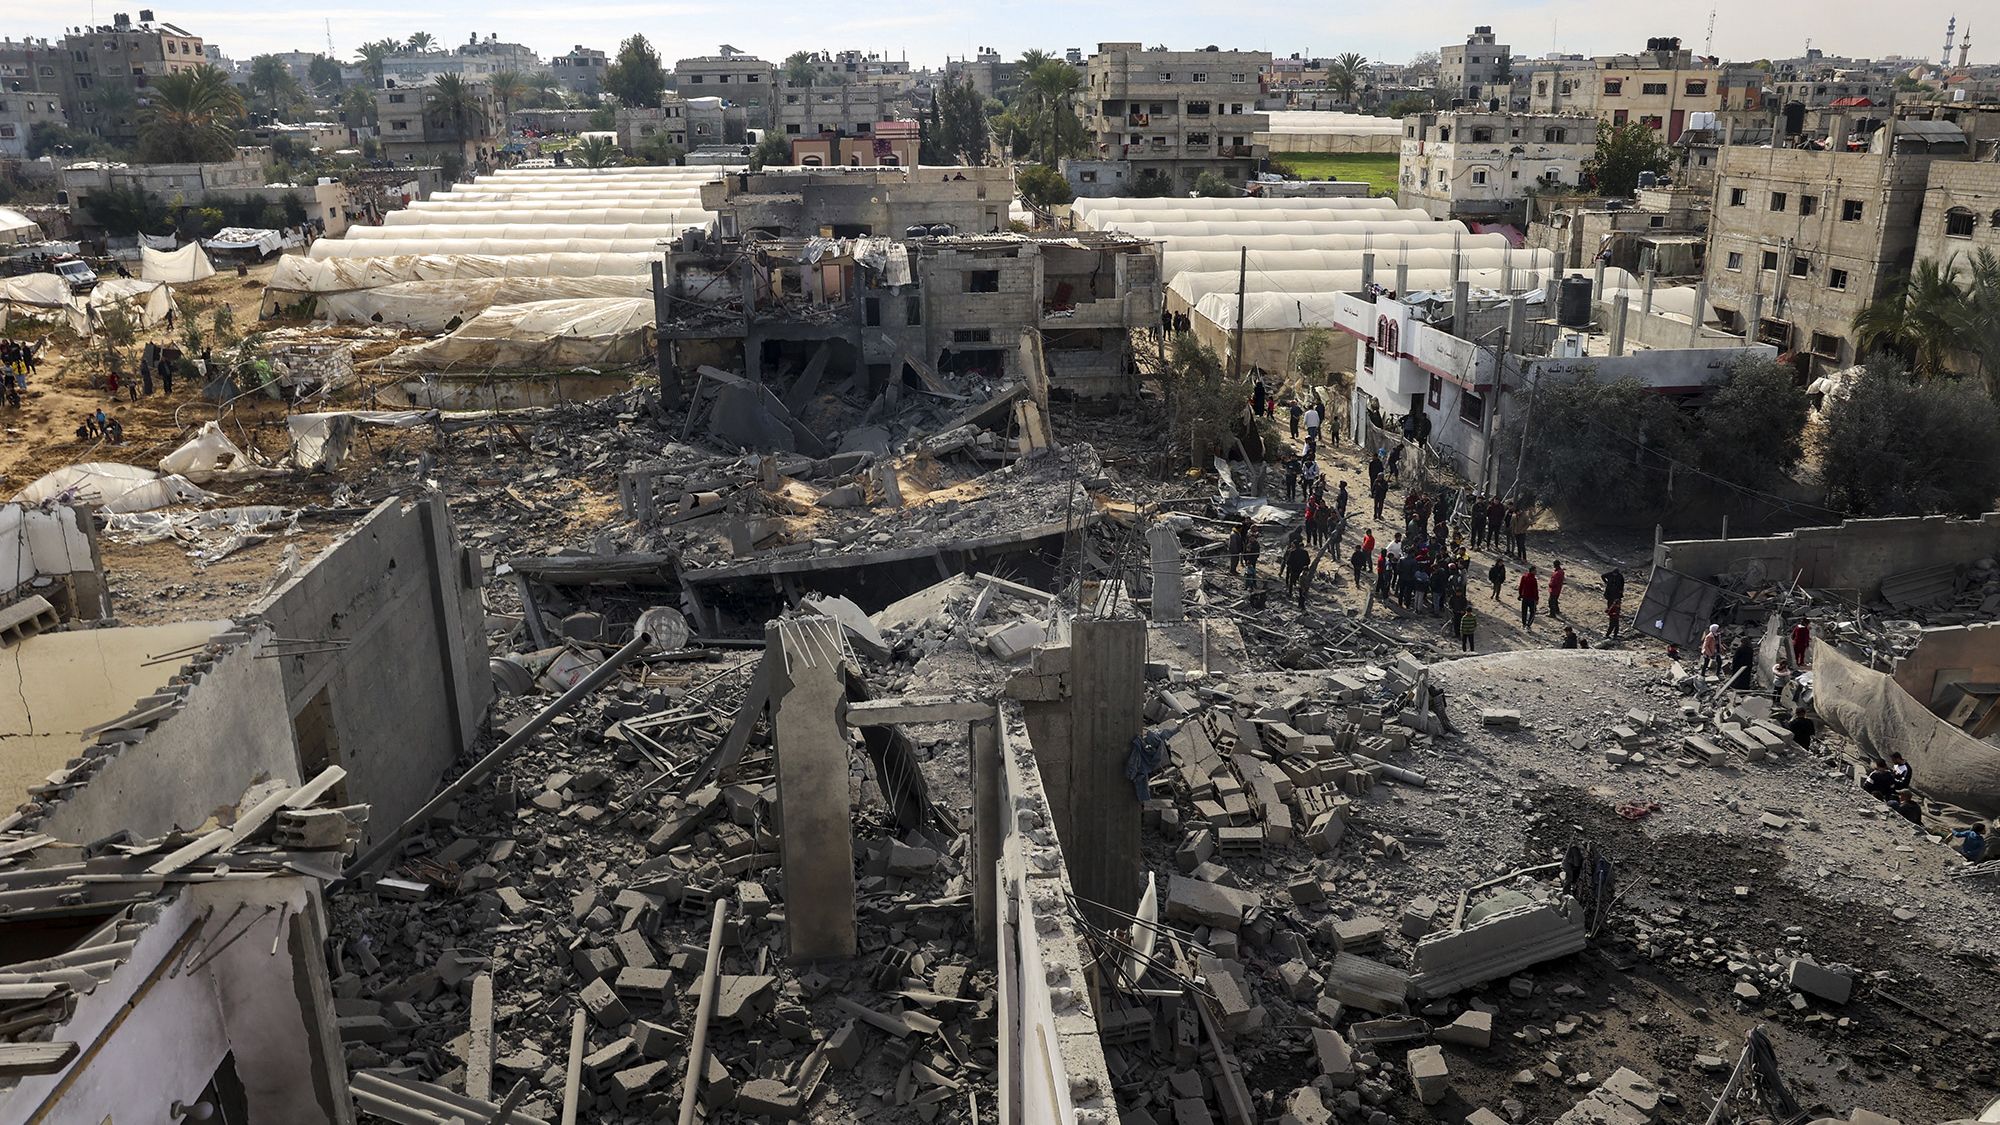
[1100, 833]
[1457, 265]
[1752, 315]
[1551, 293]
[984, 744]
[1700, 312]
[816, 838]
[1517, 326]
[1367, 269]
[1403, 275]
[1507, 270]
[1461, 304]
[1597, 286]
[1646, 301]
[1620, 308]
[1164, 545]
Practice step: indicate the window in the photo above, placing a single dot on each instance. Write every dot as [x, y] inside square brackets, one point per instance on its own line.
[1619, 117]
[871, 312]
[913, 310]
[1825, 345]
[1479, 176]
[1200, 76]
[982, 281]
[1197, 109]
[1444, 133]
[1650, 121]
[695, 79]
[1613, 87]
[1808, 204]
[1657, 221]
[791, 99]
[1737, 196]
[1482, 135]
[1735, 261]
[1770, 261]
[1850, 210]
[397, 99]
[1555, 136]
[972, 335]
[1778, 199]
[1471, 408]
[1656, 89]
[1836, 279]
[1958, 223]
[1236, 78]
[1166, 76]
[1697, 87]
[1801, 265]
[399, 126]
[1436, 396]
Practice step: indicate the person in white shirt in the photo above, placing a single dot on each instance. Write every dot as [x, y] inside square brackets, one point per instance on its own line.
[1312, 425]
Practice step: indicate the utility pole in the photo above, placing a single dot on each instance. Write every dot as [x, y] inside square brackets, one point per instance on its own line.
[1236, 345]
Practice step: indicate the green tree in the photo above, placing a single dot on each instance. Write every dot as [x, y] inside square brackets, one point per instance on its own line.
[191, 117]
[373, 57]
[63, 140]
[1309, 358]
[508, 87]
[595, 152]
[1598, 448]
[1347, 74]
[324, 74]
[1751, 430]
[1978, 318]
[422, 41]
[1891, 447]
[962, 130]
[1207, 411]
[272, 82]
[454, 106]
[636, 78]
[658, 149]
[357, 106]
[1208, 185]
[1046, 106]
[1041, 186]
[1410, 104]
[799, 70]
[125, 211]
[117, 106]
[1624, 151]
[1919, 318]
[771, 151]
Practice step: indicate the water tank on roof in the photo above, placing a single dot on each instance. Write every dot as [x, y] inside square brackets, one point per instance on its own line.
[1649, 179]
[1573, 304]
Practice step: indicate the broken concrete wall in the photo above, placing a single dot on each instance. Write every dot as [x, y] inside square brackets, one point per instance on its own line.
[53, 553]
[228, 730]
[1051, 1060]
[1852, 558]
[158, 1037]
[407, 688]
[1499, 945]
[1953, 654]
[1871, 708]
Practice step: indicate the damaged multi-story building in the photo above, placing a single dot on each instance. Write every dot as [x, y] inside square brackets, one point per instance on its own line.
[897, 276]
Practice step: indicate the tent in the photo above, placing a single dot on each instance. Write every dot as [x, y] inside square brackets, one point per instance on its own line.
[17, 229]
[210, 456]
[431, 306]
[245, 240]
[541, 336]
[146, 303]
[114, 487]
[296, 273]
[189, 263]
[42, 296]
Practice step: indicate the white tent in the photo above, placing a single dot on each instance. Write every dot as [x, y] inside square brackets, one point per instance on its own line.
[523, 231]
[1189, 288]
[541, 336]
[245, 240]
[431, 306]
[189, 263]
[113, 486]
[1311, 123]
[1085, 207]
[1176, 262]
[389, 247]
[1190, 229]
[145, 303]
[42, 296]
[210, 456]
[299, 274]
[1382, 209]
[1275, 310]
[503, 214]
[17, 229]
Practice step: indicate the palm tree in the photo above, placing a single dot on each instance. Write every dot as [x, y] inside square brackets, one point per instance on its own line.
[1348, 73]
[542, 89]
[191, 117]
[594, 152]
[1917, 317]
[1048, 98]
[357, 106]
[116, 105]
[454, 106]
[508, 86]
[269, 74]
[422, 41]
[374, 56]
[1978, 317]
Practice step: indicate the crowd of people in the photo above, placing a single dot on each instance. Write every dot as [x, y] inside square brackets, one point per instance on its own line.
[18, 360]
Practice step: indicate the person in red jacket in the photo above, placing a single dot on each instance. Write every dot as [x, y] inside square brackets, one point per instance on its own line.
[1801, 640]
[1556, 578]
[1531, 596]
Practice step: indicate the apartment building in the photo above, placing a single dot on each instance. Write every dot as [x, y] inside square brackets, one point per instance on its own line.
[411, 132]
[106, 70]
[1167, 117]
[1481, 164]
[30, 91]
[989, 73]
[1961, 213]
[888, 144]
[1663, 88]
[580, 70]
[1801, 240]
[638, 125]
[843, 109]
[1472, 69]
[732, 75]
[832, 68]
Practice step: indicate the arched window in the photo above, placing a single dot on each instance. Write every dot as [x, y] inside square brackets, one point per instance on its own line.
[1958, 222]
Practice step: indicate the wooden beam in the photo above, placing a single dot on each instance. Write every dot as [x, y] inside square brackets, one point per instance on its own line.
[887, 712]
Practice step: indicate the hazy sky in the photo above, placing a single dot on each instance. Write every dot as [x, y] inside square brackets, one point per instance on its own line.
[927, 32]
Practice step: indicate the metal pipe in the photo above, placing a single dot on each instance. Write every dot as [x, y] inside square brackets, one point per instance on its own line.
[698, 1042]
[662, 625]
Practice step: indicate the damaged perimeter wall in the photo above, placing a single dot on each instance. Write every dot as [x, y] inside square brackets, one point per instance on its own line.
[1852, 557]
[406, 688]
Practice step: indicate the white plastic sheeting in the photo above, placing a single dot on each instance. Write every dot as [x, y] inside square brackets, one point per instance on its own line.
[431, 306]
[1383, 244]
[1311, 122]
[390, 247]
[34, 542]
[146, 303]
[1085, 207]
[112, 486]
[1190, 288]
[299, 274]
[1380, 209]
[1176, 262]
[189, 263]
[319, 441]
[47, 296]
[17, 229]
[541, 336]
[524, 231]
[246, 238]
[210, 456]
[505, 215]
[1279, 311]
[1191, 229]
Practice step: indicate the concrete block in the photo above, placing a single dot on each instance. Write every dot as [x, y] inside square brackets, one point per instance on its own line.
[1418, 917]
[1470, 1029]
[1503, 718]
[1336, 1058]
[1207, 904]
[603, 1004]
[1360, 933]
[1017, 640]
[1831, 985]
[1430, 1077]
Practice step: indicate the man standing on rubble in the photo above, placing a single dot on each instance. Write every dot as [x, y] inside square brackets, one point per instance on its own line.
[1498, 576]
[1239, 538]
[1295, 556]
[1711, 650]
[1801, 641]
[1378, 487]
[1478, 521]
[1306, 569]
[1258, 394]
[1531, 596]
[1340, 502]
[1312, 426]
[1614, 600]
[1556, 580]
[1297, 412]
[1291, 478]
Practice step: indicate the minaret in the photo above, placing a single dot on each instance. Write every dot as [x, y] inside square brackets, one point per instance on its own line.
[1965, 46]
[1950, 33]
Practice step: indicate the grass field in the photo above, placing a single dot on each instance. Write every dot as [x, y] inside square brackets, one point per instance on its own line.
[1378, 169]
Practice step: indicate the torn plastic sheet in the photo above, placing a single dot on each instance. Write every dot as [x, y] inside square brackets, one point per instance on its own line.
[188, 524]
[211, 456]
[320, 441]
[113, 487]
